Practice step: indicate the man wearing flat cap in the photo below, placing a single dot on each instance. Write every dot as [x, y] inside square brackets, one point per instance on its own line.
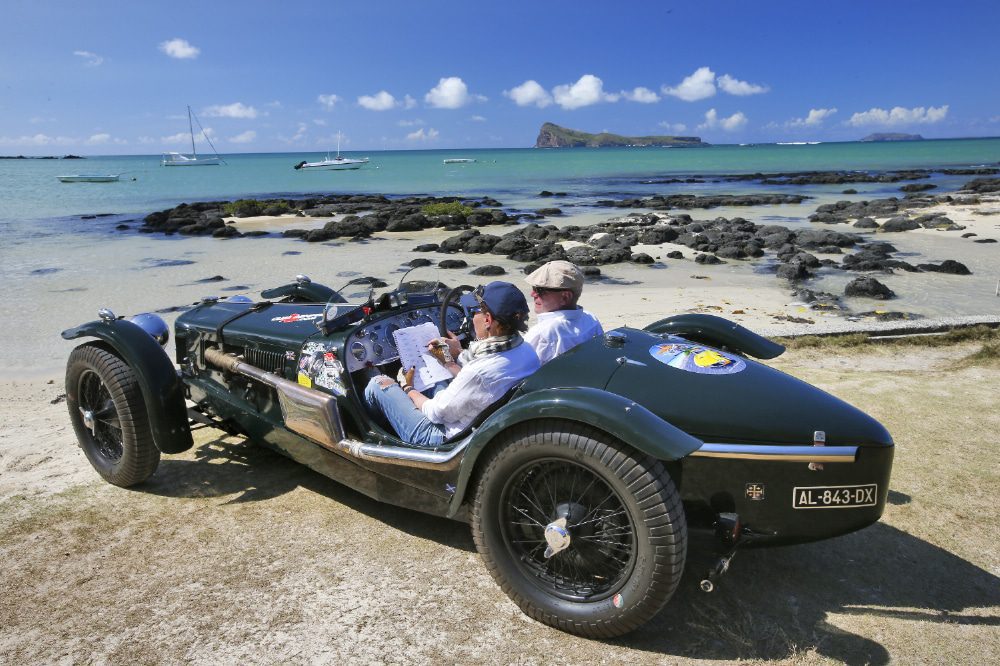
[562, 324]
[495, 361]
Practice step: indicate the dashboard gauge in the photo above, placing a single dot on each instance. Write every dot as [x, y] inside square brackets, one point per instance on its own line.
[389, 330]
[373, 336]
[358, 351]
[377, 348]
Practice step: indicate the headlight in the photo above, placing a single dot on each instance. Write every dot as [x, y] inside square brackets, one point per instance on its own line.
[154, 325]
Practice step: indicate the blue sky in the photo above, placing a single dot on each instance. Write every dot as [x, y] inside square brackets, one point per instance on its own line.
[115, 77]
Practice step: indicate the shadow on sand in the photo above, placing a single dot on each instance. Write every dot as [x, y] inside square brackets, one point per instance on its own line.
[236, 469]
[772, 605]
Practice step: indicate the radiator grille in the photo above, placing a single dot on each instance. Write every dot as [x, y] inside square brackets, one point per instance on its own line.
[265, 360]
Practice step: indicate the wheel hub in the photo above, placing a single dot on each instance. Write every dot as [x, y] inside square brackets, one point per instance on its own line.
[557, 537]
[88, 419]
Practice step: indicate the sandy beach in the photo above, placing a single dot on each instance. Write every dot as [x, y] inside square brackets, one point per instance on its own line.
[186, 568]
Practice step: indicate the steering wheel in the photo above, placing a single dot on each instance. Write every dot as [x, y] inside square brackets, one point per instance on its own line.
[453, 295]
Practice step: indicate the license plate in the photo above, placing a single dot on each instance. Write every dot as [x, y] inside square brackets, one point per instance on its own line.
[834, 497]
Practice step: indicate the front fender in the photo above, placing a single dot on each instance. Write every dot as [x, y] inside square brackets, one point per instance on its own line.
[162, 389]
[620, 417]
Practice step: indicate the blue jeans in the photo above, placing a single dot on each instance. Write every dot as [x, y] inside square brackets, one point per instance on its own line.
[409, 422]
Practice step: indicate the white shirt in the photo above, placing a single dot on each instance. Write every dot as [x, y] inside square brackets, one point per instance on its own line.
[559, 331]
[481, 382]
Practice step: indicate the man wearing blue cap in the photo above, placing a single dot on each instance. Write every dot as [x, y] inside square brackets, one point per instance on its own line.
[495, 361]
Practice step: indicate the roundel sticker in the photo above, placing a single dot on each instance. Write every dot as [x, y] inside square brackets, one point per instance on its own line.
[697, 358]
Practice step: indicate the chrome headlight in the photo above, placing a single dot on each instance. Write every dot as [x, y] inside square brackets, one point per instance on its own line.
[154, 325]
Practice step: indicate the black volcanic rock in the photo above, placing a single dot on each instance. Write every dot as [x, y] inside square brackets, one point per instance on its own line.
[868, 287]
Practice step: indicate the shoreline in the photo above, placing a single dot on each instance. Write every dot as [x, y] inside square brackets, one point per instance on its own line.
[64, 284]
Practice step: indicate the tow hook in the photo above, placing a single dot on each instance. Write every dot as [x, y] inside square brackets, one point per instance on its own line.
[728, 530]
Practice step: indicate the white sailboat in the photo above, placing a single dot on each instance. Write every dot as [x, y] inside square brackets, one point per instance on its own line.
[337, 163]
[179, 159]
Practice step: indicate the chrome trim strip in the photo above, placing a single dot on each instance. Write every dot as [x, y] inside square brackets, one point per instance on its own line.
[778, 453]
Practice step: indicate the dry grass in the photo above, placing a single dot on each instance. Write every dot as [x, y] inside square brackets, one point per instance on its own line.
[232, 554]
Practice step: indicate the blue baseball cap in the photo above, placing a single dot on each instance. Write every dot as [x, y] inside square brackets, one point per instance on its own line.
[502, 299]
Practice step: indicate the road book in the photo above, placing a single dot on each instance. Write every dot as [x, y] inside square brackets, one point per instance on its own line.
[411, 342]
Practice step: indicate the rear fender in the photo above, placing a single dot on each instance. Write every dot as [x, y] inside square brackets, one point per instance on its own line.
[162, 388]
[718, 332]
[620, 417]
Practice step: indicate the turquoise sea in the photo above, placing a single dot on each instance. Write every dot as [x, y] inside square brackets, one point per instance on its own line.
[31, 192]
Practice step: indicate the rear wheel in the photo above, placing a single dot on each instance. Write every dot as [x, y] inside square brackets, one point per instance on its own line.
[582, 532]
[109, 416]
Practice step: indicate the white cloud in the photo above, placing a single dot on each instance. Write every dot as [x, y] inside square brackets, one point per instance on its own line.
[409, 102]
[174, 139]
[38, 140]
[815, 118]
[529, 93]
[319, 122]
[37, 120]
[380, 101]
[300, 133]
[899, 116]
[676, 128]
[421, 135]
[478, 119]
[180, 49]
[329, 101]
[246, 137]
[586, 91]
[641, 95]
[734, 122]
[92, 59]
[699, 85]
[410, 123]
[451, 93]
[234, 110]
[995, 119]
[741, 88]
[98, 139]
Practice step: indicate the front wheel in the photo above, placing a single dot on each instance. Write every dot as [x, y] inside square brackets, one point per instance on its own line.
[581, 531]
[109, 416]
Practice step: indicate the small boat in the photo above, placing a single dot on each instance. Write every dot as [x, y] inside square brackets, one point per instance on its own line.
[459, 160]
[179, 159]
[91, 178]
[337, 163]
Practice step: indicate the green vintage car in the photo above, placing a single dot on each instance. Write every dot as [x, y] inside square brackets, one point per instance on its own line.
[580, 485]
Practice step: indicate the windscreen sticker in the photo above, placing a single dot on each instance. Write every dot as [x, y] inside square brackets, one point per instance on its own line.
[321, 366]
[696, 358]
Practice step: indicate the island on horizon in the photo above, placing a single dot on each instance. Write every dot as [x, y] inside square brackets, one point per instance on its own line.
[892, 136]
[554, 136]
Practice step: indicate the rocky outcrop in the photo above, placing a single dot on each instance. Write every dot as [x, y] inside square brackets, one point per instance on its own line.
[554, 136]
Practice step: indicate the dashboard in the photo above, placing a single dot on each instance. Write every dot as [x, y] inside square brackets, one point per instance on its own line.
[373, 344]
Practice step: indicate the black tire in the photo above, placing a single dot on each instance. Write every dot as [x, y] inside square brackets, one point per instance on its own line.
[109, 416]
[627, 531]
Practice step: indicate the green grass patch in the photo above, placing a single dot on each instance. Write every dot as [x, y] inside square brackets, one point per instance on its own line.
[450, 208]
[253, 207]
[985, 334]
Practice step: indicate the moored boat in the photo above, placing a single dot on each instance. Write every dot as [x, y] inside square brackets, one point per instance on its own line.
[337, 163]
[179, 159]
[91, 178]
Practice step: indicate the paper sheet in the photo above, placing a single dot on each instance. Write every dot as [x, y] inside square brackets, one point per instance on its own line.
[411, 342]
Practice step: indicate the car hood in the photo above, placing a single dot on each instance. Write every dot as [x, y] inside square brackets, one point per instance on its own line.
[715, 395]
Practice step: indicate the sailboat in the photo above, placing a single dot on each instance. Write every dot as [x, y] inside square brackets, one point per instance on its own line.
[178, 159]
[335, 163]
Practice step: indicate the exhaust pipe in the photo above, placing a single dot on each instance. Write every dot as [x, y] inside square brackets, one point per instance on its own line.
[315, 415]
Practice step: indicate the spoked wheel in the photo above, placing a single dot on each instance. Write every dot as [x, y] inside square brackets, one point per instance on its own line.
[109, 416]
[582, 532]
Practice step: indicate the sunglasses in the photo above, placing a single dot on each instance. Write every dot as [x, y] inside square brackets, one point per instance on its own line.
[546, 290]
[478, 294]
